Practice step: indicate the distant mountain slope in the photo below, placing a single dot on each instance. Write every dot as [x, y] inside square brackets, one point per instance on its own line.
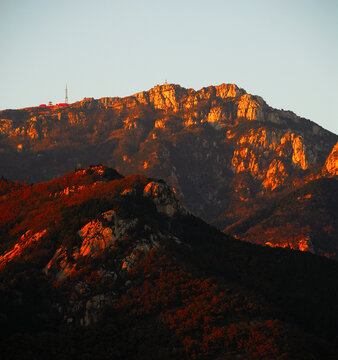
[96, 265]
[224, 151]
[306, 219]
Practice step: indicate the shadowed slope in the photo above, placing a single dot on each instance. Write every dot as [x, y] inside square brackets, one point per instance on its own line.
[122, 270]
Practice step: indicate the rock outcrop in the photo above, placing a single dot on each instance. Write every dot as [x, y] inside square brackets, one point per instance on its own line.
[163, 198]
[109, 231]
[275, 176]
[331, 164]
[123, 242]
[96, 237]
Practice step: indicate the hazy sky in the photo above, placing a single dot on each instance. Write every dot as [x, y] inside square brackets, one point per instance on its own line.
[283, 50]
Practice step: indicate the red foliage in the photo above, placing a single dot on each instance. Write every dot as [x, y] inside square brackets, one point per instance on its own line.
[38, 206]
[205, 316]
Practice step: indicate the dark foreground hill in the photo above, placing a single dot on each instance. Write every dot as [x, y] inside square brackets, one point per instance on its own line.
[99, 266]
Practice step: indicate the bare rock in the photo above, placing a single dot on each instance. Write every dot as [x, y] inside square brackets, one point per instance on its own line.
[331, 165]
[164, 199]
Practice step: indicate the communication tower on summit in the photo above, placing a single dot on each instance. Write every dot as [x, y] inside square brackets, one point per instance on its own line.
[66, 97]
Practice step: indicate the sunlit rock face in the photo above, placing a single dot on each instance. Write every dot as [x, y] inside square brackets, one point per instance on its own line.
[331, 164]
[257, 147]
[225, 91]
[162, 97]
[275, 176]
[224, 151]
[96, 237]
[250, 108]
[303, 243]
[298, 156]
[26, 242]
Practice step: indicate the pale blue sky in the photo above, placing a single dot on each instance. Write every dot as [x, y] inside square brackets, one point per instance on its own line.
[283, 50]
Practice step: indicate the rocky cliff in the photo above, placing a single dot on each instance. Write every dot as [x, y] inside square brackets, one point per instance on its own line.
[225, 152]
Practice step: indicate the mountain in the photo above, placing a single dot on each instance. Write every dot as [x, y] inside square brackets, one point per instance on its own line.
[96, 265]
[226, 153]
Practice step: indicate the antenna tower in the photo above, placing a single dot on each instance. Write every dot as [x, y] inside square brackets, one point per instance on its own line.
[66, 98]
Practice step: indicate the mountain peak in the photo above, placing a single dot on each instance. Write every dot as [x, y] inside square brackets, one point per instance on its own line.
[228, 90]
[174, 97]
